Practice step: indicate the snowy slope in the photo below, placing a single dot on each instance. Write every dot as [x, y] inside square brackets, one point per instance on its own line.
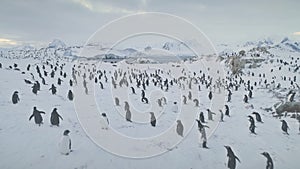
[24, 144]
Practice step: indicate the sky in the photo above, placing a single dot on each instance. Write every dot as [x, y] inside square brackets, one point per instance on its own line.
[37, 22]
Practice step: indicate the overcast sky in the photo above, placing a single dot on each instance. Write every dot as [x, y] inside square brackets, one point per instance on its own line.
[74, 21]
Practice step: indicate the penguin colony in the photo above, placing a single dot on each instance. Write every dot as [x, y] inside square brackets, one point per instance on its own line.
[138, 81]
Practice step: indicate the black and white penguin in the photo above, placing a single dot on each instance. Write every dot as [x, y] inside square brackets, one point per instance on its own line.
[179, 128]
[258, 117]
[221, 116]
[15, 97]
[54, 119]
[245, 99]
[202, 131]
[53, 89]
[128, 115]
[104, 121]
[70, 95]
[184, 99]
[270, 164]
[227, 110]
[117, 101]
[291, 96]
[65, 143]
[201, 117]
[252, 125]
[133, 90]
[196, 101]
[210, 114]
[284, 126]
[210, 95]
[231, 164]
[152, 119]
[38, 119]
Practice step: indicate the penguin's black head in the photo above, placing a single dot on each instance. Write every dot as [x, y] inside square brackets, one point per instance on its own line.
[34, 108]
[54, 109]
[66, 132]
[16, 92]
[265, 154]
[103, 114]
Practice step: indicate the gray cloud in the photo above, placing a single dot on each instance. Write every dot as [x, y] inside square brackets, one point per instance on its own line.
[75, 20]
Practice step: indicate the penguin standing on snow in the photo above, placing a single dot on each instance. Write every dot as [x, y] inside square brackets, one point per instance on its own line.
[231, 164]
[270, 164]
[15, 97]
[210, 114]
[245, 99]
[65, 143]
[153, 119]
[201, 128]
[227, 110]
[252, 125]
[284, 126]
[201, 117]
[70, 95]
[38, 119]
[54, 119]
[53, 89]
[128, 115]
[104, 121]
[222, 116]
[179, 128]
[210, 95]
[258, 117]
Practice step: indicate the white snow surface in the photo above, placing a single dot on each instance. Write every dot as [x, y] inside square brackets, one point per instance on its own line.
[24, 144]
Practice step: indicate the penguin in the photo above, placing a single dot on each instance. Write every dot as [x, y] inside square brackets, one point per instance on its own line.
[221, 116]
[54, 119]
[196, 101]
[128, 115]
[231, 164]
[210, 114]
[270, 164]
[252, 125]
[117, 101]
[250, 94]
[38, 119]
[258, 117]
[53, 89]
[34, 89]
[291, 96]
[15, 97]
[227, 110]
[190, 95]
[210, 95]
[201, 117]
[27, 81]
[104, 121]
[179, 128]
[152, 119]
[126, 107]
[70, 95]
[245, 99]
[133, 90]
[201, 129]
[284, 126]
[65, 143]
[184, 99]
